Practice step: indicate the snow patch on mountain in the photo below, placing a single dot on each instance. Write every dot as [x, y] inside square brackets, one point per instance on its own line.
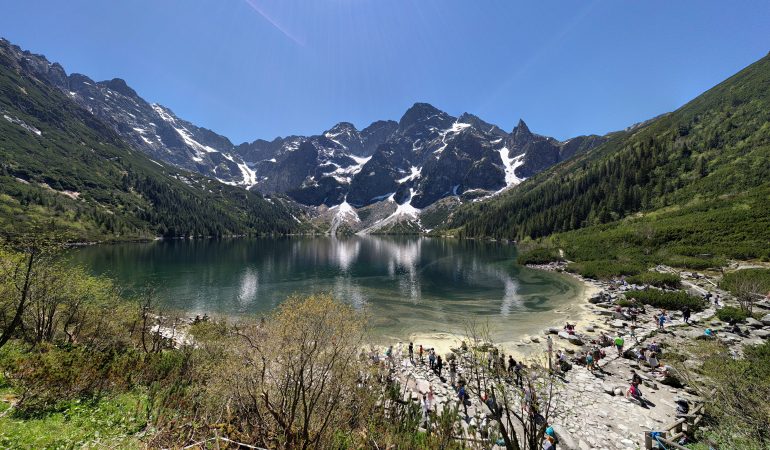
[415, 173]
[511, 164]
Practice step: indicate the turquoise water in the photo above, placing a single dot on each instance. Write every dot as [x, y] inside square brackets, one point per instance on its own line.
[406, 284]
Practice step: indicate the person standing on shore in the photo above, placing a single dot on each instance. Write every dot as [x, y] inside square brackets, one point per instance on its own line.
[432, 359]
[420, 353]
[439, 365]
[452, 371]
[686, 314]
[519, 367]
[511, 363]
[411, 353]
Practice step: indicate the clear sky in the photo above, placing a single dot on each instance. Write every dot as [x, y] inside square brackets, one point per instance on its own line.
[262, 68]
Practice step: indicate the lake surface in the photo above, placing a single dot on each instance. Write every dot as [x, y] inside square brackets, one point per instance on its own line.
[410, 286]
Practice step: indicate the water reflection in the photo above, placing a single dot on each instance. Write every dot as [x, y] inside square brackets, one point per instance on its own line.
[405, 283]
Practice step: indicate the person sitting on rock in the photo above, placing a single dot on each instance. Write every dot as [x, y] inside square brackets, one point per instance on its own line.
[569, 328]
[635, 393]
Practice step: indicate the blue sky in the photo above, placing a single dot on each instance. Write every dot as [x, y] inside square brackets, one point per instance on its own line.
[262, 68]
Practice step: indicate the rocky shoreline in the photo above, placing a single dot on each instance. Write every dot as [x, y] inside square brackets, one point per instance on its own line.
[594, 412]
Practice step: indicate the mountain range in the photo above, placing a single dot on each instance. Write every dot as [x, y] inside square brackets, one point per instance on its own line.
[403, 167]
[63, 165]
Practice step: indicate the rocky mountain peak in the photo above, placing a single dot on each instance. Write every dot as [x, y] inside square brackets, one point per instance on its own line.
[521, 129]
[119, 85]
[419, 112]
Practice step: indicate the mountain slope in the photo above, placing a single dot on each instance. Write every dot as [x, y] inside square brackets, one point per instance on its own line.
[712, 154]
[61, 164]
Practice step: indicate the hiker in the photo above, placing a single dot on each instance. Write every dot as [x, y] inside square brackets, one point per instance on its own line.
[452, 371]
[501, 364]
[549, 441]
[439, 365]
[686, 314]
[425, 410]
[411, 353]
[652, 360]
[662, 319]
[420, 353]
[389, 355]
[619, 342]
[517, 369]
[635, 378]
[432, 359]
[590, 361]
[511, 363]
[462, 396]
[633, 313]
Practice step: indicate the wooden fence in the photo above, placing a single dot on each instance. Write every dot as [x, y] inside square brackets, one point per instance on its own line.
[685, 424]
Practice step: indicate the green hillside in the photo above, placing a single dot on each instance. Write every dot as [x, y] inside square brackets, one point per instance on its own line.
[59, 165]
[694, 183]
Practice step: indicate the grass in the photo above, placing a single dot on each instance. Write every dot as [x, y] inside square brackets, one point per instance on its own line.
[106, 423]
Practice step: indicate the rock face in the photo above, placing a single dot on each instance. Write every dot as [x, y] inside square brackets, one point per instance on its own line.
[426, 156]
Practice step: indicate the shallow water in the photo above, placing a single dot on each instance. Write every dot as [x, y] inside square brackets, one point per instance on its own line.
[408, 285]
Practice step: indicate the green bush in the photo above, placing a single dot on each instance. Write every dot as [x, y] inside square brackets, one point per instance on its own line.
[604, 269]
[540, 255]
[693, 262]
[656, 279]
[756, 279]
[729, 313]
[667, 300]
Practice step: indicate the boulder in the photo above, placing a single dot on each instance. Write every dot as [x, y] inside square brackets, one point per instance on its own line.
[575, 340]
[564, 335]
[590, 328]
[766, 319]
[617, 324]
[753, 323]
[596, 299]
[618, 391]
[764, 334]
[608, 389]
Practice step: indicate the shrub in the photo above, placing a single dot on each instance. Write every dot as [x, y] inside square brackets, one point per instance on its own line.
[668, 300]
[729, 313]
[604, 269]
[656, 279]
[696, 263]
[757, 278]
[539, 255]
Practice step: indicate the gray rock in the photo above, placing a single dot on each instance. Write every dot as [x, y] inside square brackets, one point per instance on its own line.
[766, 319]
[764, 334]
[753, 323]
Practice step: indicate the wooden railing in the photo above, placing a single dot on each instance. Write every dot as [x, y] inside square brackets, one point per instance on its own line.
[686, 423]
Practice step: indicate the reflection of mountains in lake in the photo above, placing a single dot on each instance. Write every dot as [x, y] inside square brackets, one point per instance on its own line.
[394, 278]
